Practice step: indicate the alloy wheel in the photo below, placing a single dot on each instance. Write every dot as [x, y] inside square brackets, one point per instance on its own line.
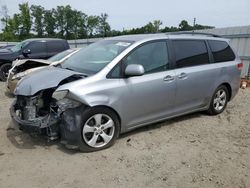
[220, 100]
[98, 130]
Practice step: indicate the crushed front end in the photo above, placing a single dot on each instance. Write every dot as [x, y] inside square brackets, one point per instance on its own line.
[49, 112]
[42, 108]
[37, 113]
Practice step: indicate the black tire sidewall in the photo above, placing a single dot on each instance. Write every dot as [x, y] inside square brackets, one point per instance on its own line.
[2, 75]
[89, 112]
[212, 110]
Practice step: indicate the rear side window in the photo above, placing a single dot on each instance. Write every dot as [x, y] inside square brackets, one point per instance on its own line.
[190, 53]
[221, 51]
[56, 46]
[37, 47]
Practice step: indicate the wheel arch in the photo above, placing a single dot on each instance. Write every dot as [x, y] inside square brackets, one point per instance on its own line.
[112, 109]
[229, 88]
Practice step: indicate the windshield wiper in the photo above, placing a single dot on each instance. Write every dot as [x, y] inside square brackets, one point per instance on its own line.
[69, 69]
[60, 66]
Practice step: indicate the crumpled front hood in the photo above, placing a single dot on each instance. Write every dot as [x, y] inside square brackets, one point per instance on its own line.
[45, 78]
[24, 61]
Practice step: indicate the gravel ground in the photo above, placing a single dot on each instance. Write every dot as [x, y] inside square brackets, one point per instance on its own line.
[196, 150]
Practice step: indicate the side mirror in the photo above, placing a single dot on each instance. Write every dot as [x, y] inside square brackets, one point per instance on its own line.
[134, 70]
[26, 52]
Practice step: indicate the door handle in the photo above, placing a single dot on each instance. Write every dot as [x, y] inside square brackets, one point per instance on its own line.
[182, 75]
[168, 78]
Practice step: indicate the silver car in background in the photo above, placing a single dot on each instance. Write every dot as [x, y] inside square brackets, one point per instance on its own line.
[23, 67]
[125, 82]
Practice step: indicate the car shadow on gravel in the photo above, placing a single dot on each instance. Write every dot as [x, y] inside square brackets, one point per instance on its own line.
[9, 95]
[158, 125]
[22, 140]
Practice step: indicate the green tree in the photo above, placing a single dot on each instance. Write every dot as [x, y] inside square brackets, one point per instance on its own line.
[60, 20]
[25, 20]
[92, 25]
[50, 22]
[80, 28]
[70, 22]
[38, 14]
[184, 26]
[5, 16]
[104, 27]
[157, 24]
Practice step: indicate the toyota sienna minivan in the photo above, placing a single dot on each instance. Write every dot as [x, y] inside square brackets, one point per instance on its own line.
[122, 83]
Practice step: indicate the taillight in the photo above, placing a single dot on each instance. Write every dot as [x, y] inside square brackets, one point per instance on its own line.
[240, 65]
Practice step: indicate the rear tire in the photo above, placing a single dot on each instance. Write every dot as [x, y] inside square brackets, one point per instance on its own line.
[4, 71]
[100, 129]
[219, 100]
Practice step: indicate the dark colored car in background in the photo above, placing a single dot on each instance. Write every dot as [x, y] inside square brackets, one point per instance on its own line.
[42, 48]
[7, 46]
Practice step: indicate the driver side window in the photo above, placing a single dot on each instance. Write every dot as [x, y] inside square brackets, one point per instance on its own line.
[152, 56]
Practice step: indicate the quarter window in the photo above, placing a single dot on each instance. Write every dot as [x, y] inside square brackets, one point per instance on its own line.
[152, 56]
[190, 53]
[221, 51]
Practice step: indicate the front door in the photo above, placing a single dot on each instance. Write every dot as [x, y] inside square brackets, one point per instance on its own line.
[149, 97]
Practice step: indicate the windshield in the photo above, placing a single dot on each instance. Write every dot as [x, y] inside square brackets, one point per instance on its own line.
[95, 57]
[61, 55]
[19, 46]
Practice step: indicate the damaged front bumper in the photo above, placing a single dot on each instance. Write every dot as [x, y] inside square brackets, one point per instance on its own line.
[47, 124]
[66, 124]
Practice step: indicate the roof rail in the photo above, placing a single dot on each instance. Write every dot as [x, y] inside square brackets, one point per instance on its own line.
[192, 33]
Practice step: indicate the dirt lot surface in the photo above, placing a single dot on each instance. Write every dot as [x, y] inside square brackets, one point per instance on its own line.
[191, 151]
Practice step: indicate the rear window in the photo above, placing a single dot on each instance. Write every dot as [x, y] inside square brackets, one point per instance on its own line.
[221, 51]
[190, 53]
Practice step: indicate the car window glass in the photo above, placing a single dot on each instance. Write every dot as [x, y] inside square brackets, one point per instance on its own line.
[116, 72]
[190, 53]
[37, 47]
[55, 46]
[152, 56]
[96, 56]
[19, 46]
[60, 56]
[221, 51]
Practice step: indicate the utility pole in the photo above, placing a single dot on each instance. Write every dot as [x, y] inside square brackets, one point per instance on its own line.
[194, 23]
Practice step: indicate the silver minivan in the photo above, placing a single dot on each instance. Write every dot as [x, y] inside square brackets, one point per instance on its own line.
[121, 83]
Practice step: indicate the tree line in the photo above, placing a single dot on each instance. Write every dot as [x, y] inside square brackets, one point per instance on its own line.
[68, 23]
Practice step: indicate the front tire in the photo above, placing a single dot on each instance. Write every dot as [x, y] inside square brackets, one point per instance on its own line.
[4, 71]
[100, 128]
[219, 100]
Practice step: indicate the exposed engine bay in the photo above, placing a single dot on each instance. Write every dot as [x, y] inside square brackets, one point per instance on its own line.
[40, 110]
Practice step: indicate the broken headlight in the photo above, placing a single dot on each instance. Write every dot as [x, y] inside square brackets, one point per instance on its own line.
[63, 102]
[59, 95]
[18, 76]
[67, 103]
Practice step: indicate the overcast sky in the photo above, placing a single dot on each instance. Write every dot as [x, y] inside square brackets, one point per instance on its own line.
[136, 13]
